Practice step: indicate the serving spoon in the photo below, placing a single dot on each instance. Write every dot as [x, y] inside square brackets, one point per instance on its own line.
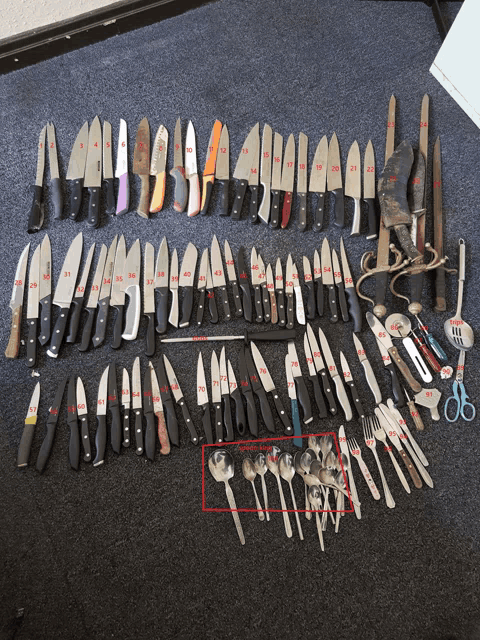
[458, 332]
[222, 469]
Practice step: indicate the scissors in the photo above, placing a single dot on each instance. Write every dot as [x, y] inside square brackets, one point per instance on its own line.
[460, 400]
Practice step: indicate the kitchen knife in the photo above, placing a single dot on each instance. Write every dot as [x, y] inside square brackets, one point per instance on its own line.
[328, 279]
[93, 172]
[347, 376]
[337, 275]
[121, 171]
[232, 278]
[342, 441]
[289, 292]
[117, 296]
[302, 181]
[244, 286]
[186, 280]
[93, 299]
[179, 399]
[299, 309]
[266, 172]
[335, 376]
[113, 407]
[16, 305]
[64, 292]
[396, 386]
[216, 397]
[76, 170]
[320, 367]
[282, 320]
[312, 374]
[256, 282]
[247, 392]
[77, 301]
[259, 391]
[141, 165]
[402, 424]
[288, 176]
[202, 285]
[72, 421]
[132, 289]
[301, 387]
[318, 179]
[210, 162]
[55, 184]
[225, 391]
[218, 276]
[353, 185]
[317, 276]
[28, 429]
[262, 276]
[271, 293]
[150, 439]
[292, 394]
[240, 419]
[167, 402]
[149, 299]
[104, 298]
[276, 180]
[202, 399]
[158, 410]
[334, 180]
[82, 413]
[46, 289]
[108, 167]
[126, 400]
[243, 168]
[253, 182]
[222, 169]
[212, 305]
[158, 168]
[173, 316]
[191, 172]
[367, 367]
[369, 190]
[101, 433]
[32, 307]
[137, 406]
[307, 278]
[178, 172]
[36, 216]
[52, 420]
[351, 291]
[247, 336]
[161, 285]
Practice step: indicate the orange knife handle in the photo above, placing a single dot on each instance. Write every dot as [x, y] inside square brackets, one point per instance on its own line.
[287, 209]
[206, 193]
[158, 193]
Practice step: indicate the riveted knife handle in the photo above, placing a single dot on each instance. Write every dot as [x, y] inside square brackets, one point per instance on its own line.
[100, 440]
[162, 434]
[74, 446]
[332, 302]
[87, 330]
[188, 421]
[273, 307]
[304, 399]
[123, 197]
[93, 219]
[343, 301]
[207, 423]
[327, 390]
[143, 202]
[193, 196]
[126, 427]
[287, 209]
[212, 307]
[404, 370]
[356, 399]
[290, 311]
[342, 397]
[25, 445]
[258, 303]
[224, 210]
[162, 311]
[32, 342]
[320, 402]
[14, 341]
[118, 327]
[319, 212]
[110, 209]
[156, 203]
[416, 288]
[57, 197]
[275, 210]
[46, 448]
[206, 193]
[357, 219]
[172, 424]
[282, 319]
[218, 422]
[297, 427]
[239, 196]
[254, 204]
[57, 334]
[266, 303]
[150, 335]
[396, 387]
[311, 306]
[236, 299]
[240, 421]
[35, 219]
[282, 414]
[138, 431]
[150, 436]
[414, 412]
[302, 212]
[320, 297]
[75, 198]
[200, 308]
[265, 409]
[226, 306]
[85, 437]
[116, 429]
[75, 314]
[181, 193]
[251, 413]
[46, 319]
[101, 324]
[411, 469]
[339, 207]
[354, 307]
[372, 219]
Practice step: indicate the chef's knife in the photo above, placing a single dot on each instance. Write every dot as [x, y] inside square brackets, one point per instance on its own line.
[282, 320]
[158, 410]
[93, 299]
[121, 171]
[328, 279]
[55, 184]
[132, 289]
[210, 162]
[337, 275]
[141, 166]
[171, 418]
[302, 181]
[126, 400]
[101, 433]
[256, 282]
[173, 315]
[271, 293]
[191, 171]
[36, 216]
[28, 429]
[253, 181]
[242, 170]
[244, 286]
[108, 167]
[307, 278]
[186, 280]
[225, 391]
[46, 289]
[335, 376]
[262, 276]
[149, 299]
[158, 168]
[178, 171]
[240, 419]
[161, 285]
[202, 400]
[179, 399]
[342, 440]
[93, 172]
[318, 179]
[32, 307]
[232, 278]
[247, 392]
[266, 173]
[150, 439]
[353, 185]
[312, 374]
[202, 286]
[16, 305]
[104, 298]
[76, 170]
[292, 394]
[289, 292]
[259, 391]
[320, 367]
[117, 297]
[276, 180]
[216, 397]
[351, 291]
[222, 169]
[347, 376]
[72, 421]
[113, 407]
[302, 391]
[218, 276]
[317, 276]
[77, 301]
[369, 189]
[334, 180]
[396, 386]
[52, 420]
[367, 367]
[288, 176]
[137, 406]
[82, 413]
[299, 309]
[212, 305]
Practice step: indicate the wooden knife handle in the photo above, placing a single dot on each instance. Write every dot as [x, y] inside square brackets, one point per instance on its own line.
[156, 203]
[193, 196]
[429, 357]
[162, 434]
[181, 193]
[273, 307]
[172, 424]
[411, 469]
[414, 412]
[404, 370]
[287, 209]
[123, 197]
[14, 341]
[142, 207]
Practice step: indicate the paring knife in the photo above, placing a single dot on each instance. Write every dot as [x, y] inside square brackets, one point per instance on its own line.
[16, 305]
[266, 173]
[117, 296]
[222, 169]
[64, 292]
[173, 315]
[369, 189]
[243, 168]
[312, 374]
[317, 276]
[149, 298]
[108, 167]
[210, 162]
[334, 180]
[76, 170]
[158, 168]
[244, 286]
[126, 400]
[262, 276]
[351, 291]
[132, 289]
[180, 400]
[318, 179]
[186, 280]
[93, 299]
[353, 185]
[77, 301]
[93, 172]
[104, 298]
[292, 394]
[32, 307]
[289, 292]
[282, 320]
[55, 184]
[396, 386]
[178, 171]
[232, 278]
[150, 439]
[212, 305]
[328, 279]
[216, 397]
[101, 432]
[247, 392]
[367, 367]
[240, 419]
[302, 391]
[342, 440]
[335, 376]
[158, 410]
[191, 173]
[36, 216]
[46, 288]
[121, 171]
[337, 275]
[302, 181]
[404, 426]
[137, 406]
[276, 180]
[288, 176]
[167, 402]
[225, 391]
[141, 166]
[202, 286]
[271, 293]
[218, 276]
[259, 391]
[82, 413]
[347, 376]
[113, 407]
[161, 285]
[52, 420]
[202, 400]
[256, 282]
[28, 429]
[320, 367]
[253, 181]
[308, 280]
[299, 309]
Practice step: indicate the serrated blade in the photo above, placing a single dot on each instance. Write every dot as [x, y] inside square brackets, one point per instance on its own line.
[78, 156]
[41, 157]
[217, 265]
[136, 385]
[278, 275]
[93, 165]
[327, 270]
[369, 172]
[353, 173]
[81, 398]
[161, 268]
[337, 272]
[46, 268]
[263, 372]
[159, 153]
[215, 376]
[33, 285]
[149, 279]
[247, 154]
[318, 174]
[224, 388]
[315, 349]
[125, 389]
[202, 393]
[189, 262]
[222, 167]
[118, 279]
[68, 275]
[141, 153]
[107, 151]
[277, 162]
[97, 279]
[212, 149]
[302, 163]
[102, 393]
[108, 271]
[202, 272]
[334, 165]
[229, 262]
[190, 152]
[288, 170]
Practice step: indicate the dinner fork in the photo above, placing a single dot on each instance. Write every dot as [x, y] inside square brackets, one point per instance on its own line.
[382, 437]
[355, 452]
[370, 442]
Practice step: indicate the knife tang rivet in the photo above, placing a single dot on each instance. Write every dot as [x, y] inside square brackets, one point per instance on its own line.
[139, 449]
[85, 438]
[138, 430]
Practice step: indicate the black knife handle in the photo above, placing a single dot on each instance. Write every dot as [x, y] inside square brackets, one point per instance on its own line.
[74, 446]
[282, 319]
[265, 409]
[150, 436]
[381, 283]
[356, 399]
[397, 391]
[227, 418]
[126, 427]
[201, 307]
[150, 335]
[226, 306]
[93, 219]
[100, 440]
[240, 420]
[327, 390]
[162, 311]
[181, 191]
[251, 412]
[354, 306]
[319, 401]
[87, 330]
[416, 288]
[46, 448]
[75, 198]
[372, 219]
[188, 421]
[172, 424]
[339, 208]
[290, 311]
[32, 342]
[266, 303]
[302, 212]
[343, 301]
[254, 204]
[85, 437]
[57, 197]
[320, 297]
[101, 324]
[282, 414]
[45, 319]
[207, 423]
[212, 306]
[236, 298]
[187, 306]
[35, 219]
[246, 297]
[138, 431]
[224, 210]
[58, 331]
[116, 429]
[304, 399]
[75, 314]
[118, 327]
[239, 196]
[111, 207]
[319, 212]
[275, 209]
[25, 445]
[311, 306]
[218, 422]
[332, 301]
[258, 303]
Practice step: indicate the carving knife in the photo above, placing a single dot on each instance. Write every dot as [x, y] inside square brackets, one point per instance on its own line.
[342, 440]
[113, 407]
[28, 429]
[276, 180]
[218, 276]
[186, 280]
[302, 181]
[337, 275]
[126, 400]
[288, 176]
[222, 169]
[132, 289]
[253, 181]
[271, 293]
[16, 305]
[247, 392]
[149, 298]
[289, 292]
[216, 397]
[440, 303]
[266, 172]
[282, 320]
[173, 316]
[318, 180]
[347, 376]
[256, 282]
[52, 420]
[317, 276]
[83, 416]
[335, 376]
[307, 278]
[104, 298]
[259, 391]
[158, 168]
[179, 399]
[76, 170]
[292, 394]
[64, 292]
[32, 307]
[93, 172]
[312, 374]
[353, 185]
[161, 285]
[158, 410]
[121, 171]
[101, 433]
[150, 439]
[202, 285]
[369, 189]
[300, 311]
[320, 367]
[212, 305]
[301, 387]
[137, 406]
[210, 162]
[351, 291]
[334, 180]
[36, 216]
[202, 400]
[242, 172]
[55, 184]
[172, 424]
[263, 284]
[77, 302]
[191, 172]
[328, 279]
[108, 167]
[240, 420]
[274, 334]
[232, 278]
[117, 297]
[367, 367]
[45, 289]
[141, 165]
[178, 172]
[225, 391]
[93, 299]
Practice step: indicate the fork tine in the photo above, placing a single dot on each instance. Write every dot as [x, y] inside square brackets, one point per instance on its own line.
[354, 443]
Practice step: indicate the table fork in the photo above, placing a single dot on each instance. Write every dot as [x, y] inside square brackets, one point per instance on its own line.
[370, 442]
[355, 452]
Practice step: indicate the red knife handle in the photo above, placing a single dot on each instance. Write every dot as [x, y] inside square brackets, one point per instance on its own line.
[287, 209]
[163, 434]
[429, 357]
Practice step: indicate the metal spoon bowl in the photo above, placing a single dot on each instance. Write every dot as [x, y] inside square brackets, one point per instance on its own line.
[248, 468]
[287, 471]
[222, 469]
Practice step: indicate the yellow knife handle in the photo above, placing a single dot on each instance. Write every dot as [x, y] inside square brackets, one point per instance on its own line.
[158, 193]
[206, 193]
[142, 208]
[14, 341]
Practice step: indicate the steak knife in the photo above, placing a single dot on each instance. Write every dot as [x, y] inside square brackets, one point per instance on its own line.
[186, 280]
[317, 276]
[271, 293]
[104, 298]
[191, 173]
[318, 179]
[312, 374]
[256, 282]
[202, 400]
[282, 320]
[222, 169]
[212, 305]
[262, 276]
[216, 397]
[93, 172]
[337, 275]
[320, 367]
[244, 286]
[141, 166]
[132, 289]
[347, 376]
[161, 285]
[259, 391]
[202, 286]
[28, 429]
[101, 432]
[149, 299]
[335, 376]
[353, 185]
[232, 278]
[113, 407]
[334, 180]
[292, 394]
[16, 305]
[178, 171]
[158, 168]
[55, 184]
[117, 297]
[158, 410]
[351, 291]
[108, 167]
[240, 419]
[328, 280]
[218, 276]
[126, 407]
[173, 316]
[276, 180]
[369, 190]
[244, 165]
[46, 289]
[32, 307]
[301, 387]
[93, 299]
[180, 400]
[76, 170]
[121, 171]
[247, 392]
[299, 309]
[37, 211]
[150, 439]
[82, 413]
[266, 172]
[253, 181]
[209, 170]
[367, 367]
[307, 277]
[225, 391]
[289, 292]
[288, 176]
[167, 402]
[302, 181]
[77, 301]
[137, 406]
[52, 420]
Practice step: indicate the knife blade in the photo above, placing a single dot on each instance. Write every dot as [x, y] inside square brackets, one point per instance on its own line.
[113, 407]
[335, 376]
[76, 170]
[243, 168]
[262, 276]
[282, 320]
[317, 276]
[158, 410]
[307, 278]
[266, 173]
[302, 181]
[351, 291]
[369, 189]
[167, 402]
[186, 280]
[93, 172]
[240, 419]
[244, 286]
[191, 171]
[367, 367]
[210, 162]
[77, 302]
[179, 399]
[158, 168]
[402, 425]
[141, 166]
[55, 184]
[272, 334]
[292, 394]
[271, 293]
[232, 278]
[150, 439]
[202, 285]
[300, 311]
[312, 374]
[117, 296]
[247, 392]
[173, 316]
[212, 305]
[328, 279]
[256, 283]
[36, 216]
[121, 171]
[108, 167]
[225, 391]
[137, 406]
[33, 306]
[104, 298]
[28, 429]
[289, 292]
[93, 299]
[276, 179]
[101, 432]
[149, 299]
[259, 391]
[318, 180]
[320, 367]
[347, 376]
[222, 169]
[288, 176]
[82, 413]
[178, 171]
[132, 290]
[52, 420]
[161, 285]
[202, 399]
[64, 292]
[342, 440]
[126, 407]
[45, 289]
[334, 180]
[396, 386]
[253, 180]
[301, 387]
[16, 305]
[218, 276]
[353, 185]
[216, 397]
[337, 275]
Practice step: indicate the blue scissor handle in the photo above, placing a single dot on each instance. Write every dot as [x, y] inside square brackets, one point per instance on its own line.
[455, 398]
[461, 403]
[464, 403]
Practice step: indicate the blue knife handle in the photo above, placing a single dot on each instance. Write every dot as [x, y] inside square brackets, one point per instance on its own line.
[297, 427]
[436, 348]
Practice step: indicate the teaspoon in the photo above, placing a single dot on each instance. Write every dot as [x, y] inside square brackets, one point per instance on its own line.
[287, 471]
[272, 464]
[299, 469]
[315, 497]
[261, 469]
[250, 474]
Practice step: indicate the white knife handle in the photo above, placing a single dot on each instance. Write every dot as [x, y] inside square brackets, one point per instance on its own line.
[264, 210]
[403, 425]
[388, 496]
[417, 360]
[300, 310]
[132, 318]
[193, 196]
[342, 397]
[372, 381]
[400, 473]
[173, 317]
[368, 478]
[356, 219]
[354, 493]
